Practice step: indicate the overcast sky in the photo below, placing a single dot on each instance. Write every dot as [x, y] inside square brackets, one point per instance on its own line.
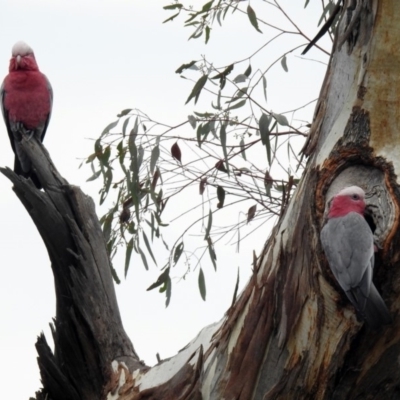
[102, 56]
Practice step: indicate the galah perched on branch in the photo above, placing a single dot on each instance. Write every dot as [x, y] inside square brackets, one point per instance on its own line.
[26, 101]
[348, 243]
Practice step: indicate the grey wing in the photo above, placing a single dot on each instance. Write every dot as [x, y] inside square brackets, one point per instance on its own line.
[5, 116]
[50, 89]
[348, 245]
[2, 99]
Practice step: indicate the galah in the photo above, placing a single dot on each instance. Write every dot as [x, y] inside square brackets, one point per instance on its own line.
[348, 244]
[26, 102]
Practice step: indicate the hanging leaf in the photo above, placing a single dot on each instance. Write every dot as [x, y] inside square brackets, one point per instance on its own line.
[176, 152]
[168, 287]
[222, 137]
[242, 149]
[107, 227]
[268, 181]
[197, 89]
[115, 275]
[94, 176]
[146, 242]
[140, 154]
[155, 153]
[220, 196]
[192, 121]
[108, 128]
[207, 33]
[185, 66]
[236, 289]
[220, 166]
[207, 6]
[202, 285]
[253, 18]
[171, 18]
[209, 224]
[107, 176]
[219, 17]
[203, 183]
[156, 175]
[178, 252]
[264, 80]
[281, 119]
[124, 126]
[248, 71]
[160, 280]
[240, 78]
[240, 93]
[251, 213]
[284, 64]
[264, 132]
[211, 252]
[263, 124]
[129, 248]
[224, 73]
[237, 105]
[173, 6]
[124, 112]
[143, 259]
[218, 106]
[124, 216]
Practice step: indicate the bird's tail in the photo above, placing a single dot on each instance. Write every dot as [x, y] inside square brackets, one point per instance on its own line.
[372, 308]
[30, 174]
[376, 313]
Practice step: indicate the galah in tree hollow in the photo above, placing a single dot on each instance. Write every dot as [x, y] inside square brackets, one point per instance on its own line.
[26, 101]
[348, 243]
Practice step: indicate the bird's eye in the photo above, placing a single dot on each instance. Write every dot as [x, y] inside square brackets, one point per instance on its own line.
[355, 197]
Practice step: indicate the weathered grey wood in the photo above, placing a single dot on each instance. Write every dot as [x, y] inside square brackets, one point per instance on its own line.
[88, 332]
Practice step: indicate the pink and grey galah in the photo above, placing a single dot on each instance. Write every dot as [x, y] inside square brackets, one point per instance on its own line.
[348, 244]
[26, 102]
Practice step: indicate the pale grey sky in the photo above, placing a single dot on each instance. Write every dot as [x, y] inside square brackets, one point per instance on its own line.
[101, 57]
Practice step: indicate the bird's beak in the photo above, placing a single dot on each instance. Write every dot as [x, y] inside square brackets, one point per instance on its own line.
[18, 59]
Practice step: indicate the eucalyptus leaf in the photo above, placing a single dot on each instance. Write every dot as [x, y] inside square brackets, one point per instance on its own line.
[202, 284]
[264, 81]
[142, 255]
[178, 252]
[197, 89]
[146, 242]
[209, 224]
[284, 63]
[128, 254]
[235, 292]
[281, 119]
[222, 137]
[155, 153]
[207, 33]
[237, 105]
[253, 18]
[248, 71]
[185, 66]
[108, 128]
[192, 121]
[242, 149]
[264, 132]
[240, 78]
